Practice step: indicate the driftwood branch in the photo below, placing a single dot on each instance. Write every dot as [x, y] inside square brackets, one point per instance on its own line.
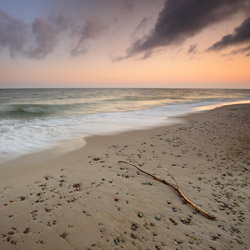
[176, 188]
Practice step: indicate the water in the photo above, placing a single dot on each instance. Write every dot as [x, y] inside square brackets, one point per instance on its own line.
[37, 119]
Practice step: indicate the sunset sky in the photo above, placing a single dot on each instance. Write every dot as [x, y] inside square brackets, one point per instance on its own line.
[125, 43]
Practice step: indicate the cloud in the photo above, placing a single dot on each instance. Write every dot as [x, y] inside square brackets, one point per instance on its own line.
[140, 28]
[41, 37]
[84, 33]
[127, 6]
[241, 35]
[46, 39]
[182, 19]
[239, 51]
[13, 34]
[61, 21]
[192, 49]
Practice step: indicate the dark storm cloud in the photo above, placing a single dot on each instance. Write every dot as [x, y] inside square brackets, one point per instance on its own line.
[181, 19]
[84, 33]
[241, 35]
[46, 39]
[13, 34]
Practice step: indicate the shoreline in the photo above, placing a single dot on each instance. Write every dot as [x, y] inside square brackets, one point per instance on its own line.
[94, 200]
[149, 118]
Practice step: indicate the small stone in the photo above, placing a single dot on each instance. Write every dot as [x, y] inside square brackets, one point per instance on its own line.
[63, 235]
[76, 185]
[116, 199]
[133, 236]
[13, 242]
[48, 209]
[134, 226]
[140, 215]
[178, 242]
[22, 198]
[158, 217]
[169, 202]
[186, 221]
[173, 221]
[157, 247]
[27, 230]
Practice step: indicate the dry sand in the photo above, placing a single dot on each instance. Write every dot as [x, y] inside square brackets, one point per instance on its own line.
[87, 200]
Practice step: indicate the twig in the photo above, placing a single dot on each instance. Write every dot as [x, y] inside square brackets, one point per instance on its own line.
[176, 188]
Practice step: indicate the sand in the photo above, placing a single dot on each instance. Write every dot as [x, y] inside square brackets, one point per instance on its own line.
[85, 199]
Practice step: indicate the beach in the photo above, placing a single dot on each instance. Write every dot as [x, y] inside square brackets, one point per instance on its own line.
[86, 199]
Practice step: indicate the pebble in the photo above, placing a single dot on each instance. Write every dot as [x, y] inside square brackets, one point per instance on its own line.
[177, 242]
[158, 217]
[76, 185]
[27, 230]
[134, 226]
[133, 236]
[63, 235]
[140, 215]
[173, 221]
[186, 221]
[47, 209]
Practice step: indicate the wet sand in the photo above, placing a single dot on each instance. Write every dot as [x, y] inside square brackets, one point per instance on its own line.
[85, 199]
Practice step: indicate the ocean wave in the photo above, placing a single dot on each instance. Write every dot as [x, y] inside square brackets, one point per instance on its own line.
[27, 110]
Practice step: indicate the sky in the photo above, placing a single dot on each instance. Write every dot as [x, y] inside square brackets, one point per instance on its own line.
[125, 43]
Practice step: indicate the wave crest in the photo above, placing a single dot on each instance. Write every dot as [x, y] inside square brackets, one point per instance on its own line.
[26, 110]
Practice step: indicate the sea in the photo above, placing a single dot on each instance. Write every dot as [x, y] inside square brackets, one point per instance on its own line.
[33, 120]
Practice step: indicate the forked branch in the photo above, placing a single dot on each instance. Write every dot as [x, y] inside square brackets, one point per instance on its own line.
[176, 188]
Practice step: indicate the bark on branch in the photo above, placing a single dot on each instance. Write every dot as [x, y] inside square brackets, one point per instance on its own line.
[176, 188]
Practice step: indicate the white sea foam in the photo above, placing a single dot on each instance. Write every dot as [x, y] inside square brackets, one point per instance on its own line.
[42, 129]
